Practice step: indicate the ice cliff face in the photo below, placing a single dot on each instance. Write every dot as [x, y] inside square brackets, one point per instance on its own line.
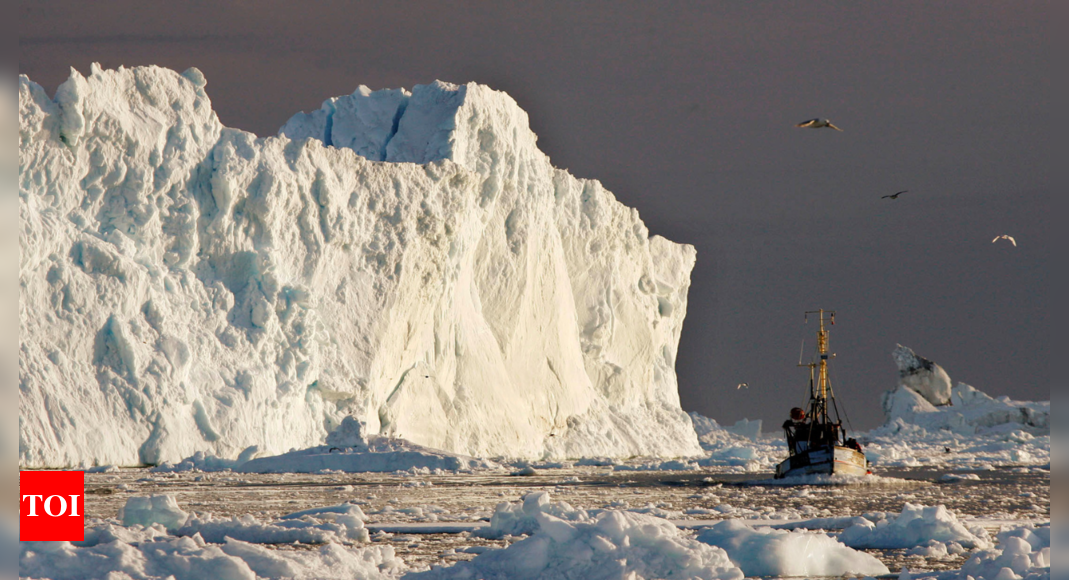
[410, 259]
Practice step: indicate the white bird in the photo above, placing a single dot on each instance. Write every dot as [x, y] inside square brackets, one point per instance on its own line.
[1005, 237]
[817, 124]
[742, 386]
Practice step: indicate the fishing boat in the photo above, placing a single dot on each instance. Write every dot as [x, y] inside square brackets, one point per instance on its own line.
[817, 443]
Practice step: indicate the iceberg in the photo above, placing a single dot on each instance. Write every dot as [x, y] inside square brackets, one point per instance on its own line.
[407, 258]
[962, 409]
[922, 376]
[973, 429]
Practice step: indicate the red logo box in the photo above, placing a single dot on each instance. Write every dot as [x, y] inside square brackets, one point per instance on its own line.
[51, 506]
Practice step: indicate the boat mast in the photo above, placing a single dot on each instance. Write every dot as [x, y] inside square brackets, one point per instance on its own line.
[822, 350]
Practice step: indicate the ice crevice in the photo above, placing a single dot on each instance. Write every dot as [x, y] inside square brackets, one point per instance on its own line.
[407, 258]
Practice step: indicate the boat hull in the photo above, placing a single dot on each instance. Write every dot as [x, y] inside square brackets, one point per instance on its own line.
[824, 461]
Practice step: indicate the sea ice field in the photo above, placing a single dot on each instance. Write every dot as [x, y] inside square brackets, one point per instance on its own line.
[416, 521]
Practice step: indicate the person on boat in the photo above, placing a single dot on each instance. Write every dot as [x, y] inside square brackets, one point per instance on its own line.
[797, 430]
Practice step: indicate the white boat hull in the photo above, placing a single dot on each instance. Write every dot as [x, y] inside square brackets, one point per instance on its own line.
[824, 461]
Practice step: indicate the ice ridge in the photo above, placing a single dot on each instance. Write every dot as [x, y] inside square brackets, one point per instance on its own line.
[410, 259]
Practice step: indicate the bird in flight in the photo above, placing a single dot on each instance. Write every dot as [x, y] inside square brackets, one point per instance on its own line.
[895, 195]
[742, 386]
[1005, 237]
[817, 123]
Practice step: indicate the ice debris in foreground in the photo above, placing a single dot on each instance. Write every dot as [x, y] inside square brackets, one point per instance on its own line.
[915, 526]
[156, 509]
[564, 543]
[201, 546]
[1021, 554]
[409, 258]
[768, 552]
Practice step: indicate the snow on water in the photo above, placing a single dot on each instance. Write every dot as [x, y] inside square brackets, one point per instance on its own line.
[915, 526]
[189, 287]
[768, 552]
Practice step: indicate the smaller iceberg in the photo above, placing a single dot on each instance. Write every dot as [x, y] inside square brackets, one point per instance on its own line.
[922, 376]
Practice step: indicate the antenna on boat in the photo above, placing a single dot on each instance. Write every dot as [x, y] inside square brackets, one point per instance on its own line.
[823, 384]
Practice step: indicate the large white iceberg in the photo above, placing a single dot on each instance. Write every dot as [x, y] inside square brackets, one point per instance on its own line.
[408, 258]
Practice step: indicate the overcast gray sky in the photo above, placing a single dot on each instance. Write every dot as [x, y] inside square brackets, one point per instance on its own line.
[686, 112]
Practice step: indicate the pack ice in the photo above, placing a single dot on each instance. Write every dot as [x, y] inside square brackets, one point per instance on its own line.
[407, 258]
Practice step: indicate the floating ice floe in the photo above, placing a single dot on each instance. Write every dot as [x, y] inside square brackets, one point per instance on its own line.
[958, 477]
[738, 446]
[1021, 554]
[607, 546]
[191, 558]
[768, 552]
[348, 450]
[1024, 552]
[836, 479]
[160, 540]
[156, 509]
[915, 526]
[524, 518]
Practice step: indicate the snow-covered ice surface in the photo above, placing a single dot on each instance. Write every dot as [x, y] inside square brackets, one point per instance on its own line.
[409, 258]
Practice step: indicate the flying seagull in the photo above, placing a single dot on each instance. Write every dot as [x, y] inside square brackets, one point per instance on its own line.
[817, 123]
[1005, 237]
[895, 195]
[742, 386]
